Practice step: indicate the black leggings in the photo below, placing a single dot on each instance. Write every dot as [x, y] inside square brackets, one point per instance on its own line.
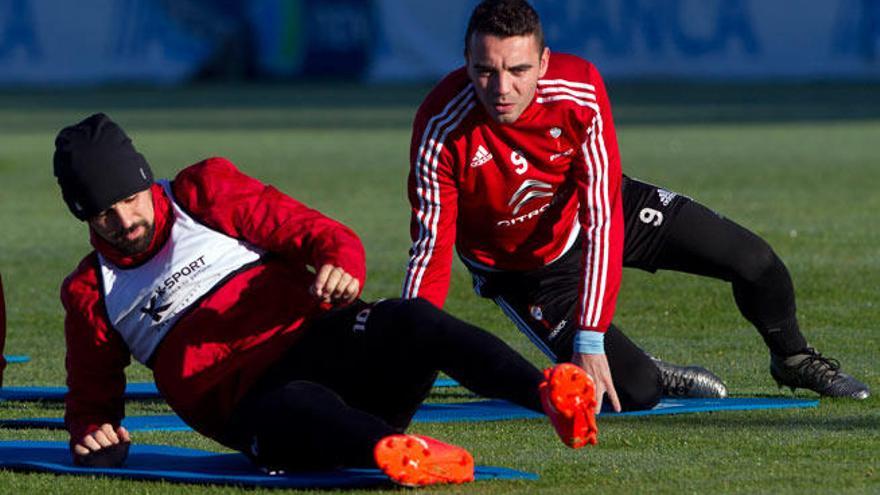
[667, 231]
[360, 374]
[702, 242]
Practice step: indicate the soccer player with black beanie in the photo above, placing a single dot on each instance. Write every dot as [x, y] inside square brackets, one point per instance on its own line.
[244, 304]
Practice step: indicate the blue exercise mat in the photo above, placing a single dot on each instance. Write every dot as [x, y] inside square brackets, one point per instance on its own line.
[482, 410]
[133, 391]
[182, 465]
[153, 422]
[16, 359]
[485, 410]
[136, 391]
[478, 410]
[683, 406]
[445, 383]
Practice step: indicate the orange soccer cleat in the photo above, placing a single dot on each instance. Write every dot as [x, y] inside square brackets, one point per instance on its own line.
[416, 460]
[569, 399]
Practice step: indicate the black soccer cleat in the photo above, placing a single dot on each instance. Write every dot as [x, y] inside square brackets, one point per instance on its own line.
[818, 373]
[689, 381]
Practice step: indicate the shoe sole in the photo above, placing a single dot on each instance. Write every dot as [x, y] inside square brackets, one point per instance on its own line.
[572, 393]
[411, 461]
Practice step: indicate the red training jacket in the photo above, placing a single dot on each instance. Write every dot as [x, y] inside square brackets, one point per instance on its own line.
[516, 196]
[214, 353]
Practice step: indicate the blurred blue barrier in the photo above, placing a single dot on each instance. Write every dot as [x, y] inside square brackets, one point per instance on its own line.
[171, 41]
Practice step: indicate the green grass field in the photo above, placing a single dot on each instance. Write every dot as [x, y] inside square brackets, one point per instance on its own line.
[798, 164]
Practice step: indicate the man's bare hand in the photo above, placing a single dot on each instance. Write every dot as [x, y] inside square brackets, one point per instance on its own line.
[596, 365]
[334, 285]
[104, 447]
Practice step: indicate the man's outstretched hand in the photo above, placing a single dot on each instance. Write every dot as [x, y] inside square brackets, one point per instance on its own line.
[596, 365]
[333, 285]
[104, 447]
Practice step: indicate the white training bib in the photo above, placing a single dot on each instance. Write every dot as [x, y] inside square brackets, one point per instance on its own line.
[144, 302]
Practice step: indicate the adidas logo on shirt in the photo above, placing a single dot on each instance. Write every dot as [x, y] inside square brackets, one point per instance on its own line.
[481, 156]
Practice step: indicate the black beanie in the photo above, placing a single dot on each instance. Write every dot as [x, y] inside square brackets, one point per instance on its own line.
[97, 166]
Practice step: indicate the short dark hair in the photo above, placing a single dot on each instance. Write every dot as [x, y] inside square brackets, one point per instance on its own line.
[504, 18]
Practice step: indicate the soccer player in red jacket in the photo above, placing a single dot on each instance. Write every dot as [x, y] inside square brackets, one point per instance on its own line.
[515, 162]
[208, 280]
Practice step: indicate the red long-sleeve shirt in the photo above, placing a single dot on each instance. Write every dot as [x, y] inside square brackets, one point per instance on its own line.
[515, 196]
[217, 350]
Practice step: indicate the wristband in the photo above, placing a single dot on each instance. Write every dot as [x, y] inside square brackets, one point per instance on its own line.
[589, 342]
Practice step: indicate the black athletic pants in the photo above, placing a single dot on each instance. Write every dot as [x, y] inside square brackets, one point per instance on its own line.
[667, 231]
[359, 374]
[664, 230]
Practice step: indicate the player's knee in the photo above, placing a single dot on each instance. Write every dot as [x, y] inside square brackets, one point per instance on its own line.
[407, 323]
[415, 313]
[758, 262]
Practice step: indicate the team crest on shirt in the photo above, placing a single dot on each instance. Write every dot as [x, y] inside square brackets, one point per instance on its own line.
[555, 132]
[536, 312]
